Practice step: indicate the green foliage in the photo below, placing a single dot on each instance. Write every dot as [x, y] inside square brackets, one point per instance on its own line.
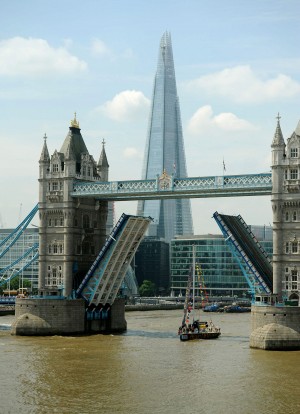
[14, 284]
[147, 288]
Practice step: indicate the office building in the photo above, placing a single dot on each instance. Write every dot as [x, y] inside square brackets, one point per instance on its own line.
[152, 263]
[222, 275]
[164, 152]
[10, 260]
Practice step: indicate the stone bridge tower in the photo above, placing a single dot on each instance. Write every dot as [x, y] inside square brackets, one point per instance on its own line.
[72, 231]
[286, 214]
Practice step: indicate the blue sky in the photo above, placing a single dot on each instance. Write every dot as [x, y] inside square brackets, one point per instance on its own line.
[237, 65]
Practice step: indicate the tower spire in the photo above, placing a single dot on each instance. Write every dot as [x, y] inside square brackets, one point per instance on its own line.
[278, 139]
[103, 166]
[45, 153]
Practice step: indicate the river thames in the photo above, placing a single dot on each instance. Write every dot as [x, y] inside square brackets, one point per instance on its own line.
[147, 370]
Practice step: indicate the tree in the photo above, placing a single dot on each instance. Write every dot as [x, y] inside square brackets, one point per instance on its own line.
[14, 284]
[147, 288]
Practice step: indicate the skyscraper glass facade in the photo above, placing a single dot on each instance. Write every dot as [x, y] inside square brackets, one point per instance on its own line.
[165, 150]
[221, 272]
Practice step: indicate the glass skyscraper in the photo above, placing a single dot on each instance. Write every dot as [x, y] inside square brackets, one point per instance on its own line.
[164, 152]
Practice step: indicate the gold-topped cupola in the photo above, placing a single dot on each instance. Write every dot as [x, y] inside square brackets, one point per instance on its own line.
[74, 122]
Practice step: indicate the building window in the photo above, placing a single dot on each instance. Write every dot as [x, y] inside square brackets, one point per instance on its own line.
[55, 248]
[294, 279]
[287, 247]
[294, 247]
[55, 186]
[286, 270]
[89, 171]
[55, 167]
[294, 152]
[85, 248]
[295, 216]
[61, 221]
[50, 249]
[86, 222]
[294, 175]
[286, 174]
[287, 216]
[60, 185]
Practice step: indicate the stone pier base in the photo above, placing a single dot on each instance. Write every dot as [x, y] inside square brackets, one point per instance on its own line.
[275, 328]
[63, 317]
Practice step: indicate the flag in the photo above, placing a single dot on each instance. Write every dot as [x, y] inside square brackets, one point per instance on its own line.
[224, 168]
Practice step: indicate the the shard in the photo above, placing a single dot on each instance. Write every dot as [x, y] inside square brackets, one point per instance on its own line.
[164, 152]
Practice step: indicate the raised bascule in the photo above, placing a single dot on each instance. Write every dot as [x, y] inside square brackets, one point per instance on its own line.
[81, 270]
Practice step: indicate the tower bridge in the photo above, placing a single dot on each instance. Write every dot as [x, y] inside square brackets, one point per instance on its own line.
[74, 193]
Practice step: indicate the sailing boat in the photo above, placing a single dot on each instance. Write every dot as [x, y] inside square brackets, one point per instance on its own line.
[190, 328]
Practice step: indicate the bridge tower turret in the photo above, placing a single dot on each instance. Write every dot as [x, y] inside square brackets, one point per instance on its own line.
[72, 231]
[286, 214]
[103, 166]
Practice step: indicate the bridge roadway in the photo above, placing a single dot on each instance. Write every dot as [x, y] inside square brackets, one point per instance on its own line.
[167, 186]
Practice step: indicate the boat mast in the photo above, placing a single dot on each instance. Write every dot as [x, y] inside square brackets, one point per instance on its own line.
[194, 268]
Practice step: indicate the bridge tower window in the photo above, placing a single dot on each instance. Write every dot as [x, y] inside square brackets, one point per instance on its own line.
[287, 249]
[294, 174]
[294, 152]
[286, 216]
[295, 216]
[86, 222]
[294, 246]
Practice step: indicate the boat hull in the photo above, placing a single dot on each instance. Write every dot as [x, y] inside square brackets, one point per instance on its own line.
[199, 335]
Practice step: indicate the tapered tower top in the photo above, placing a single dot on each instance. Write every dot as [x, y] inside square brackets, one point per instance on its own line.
[74, 145]
[278, 139]
[45, 153]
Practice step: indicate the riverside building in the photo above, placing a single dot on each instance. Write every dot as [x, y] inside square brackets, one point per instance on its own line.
[222, 275]
[26, 241]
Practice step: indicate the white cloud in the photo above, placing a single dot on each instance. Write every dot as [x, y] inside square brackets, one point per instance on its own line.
[204, 119]
[241, 84]
[131, 152]
[28, 56]
[126, 106]
[99, 48]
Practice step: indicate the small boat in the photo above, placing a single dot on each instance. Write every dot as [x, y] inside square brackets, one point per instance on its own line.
[190, 328]
[236, 309]
[214, 307]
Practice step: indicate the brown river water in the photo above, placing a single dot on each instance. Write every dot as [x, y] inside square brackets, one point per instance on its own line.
[147, 370]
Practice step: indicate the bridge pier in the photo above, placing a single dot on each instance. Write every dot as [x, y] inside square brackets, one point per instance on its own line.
[39, 317]
[275, 328]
